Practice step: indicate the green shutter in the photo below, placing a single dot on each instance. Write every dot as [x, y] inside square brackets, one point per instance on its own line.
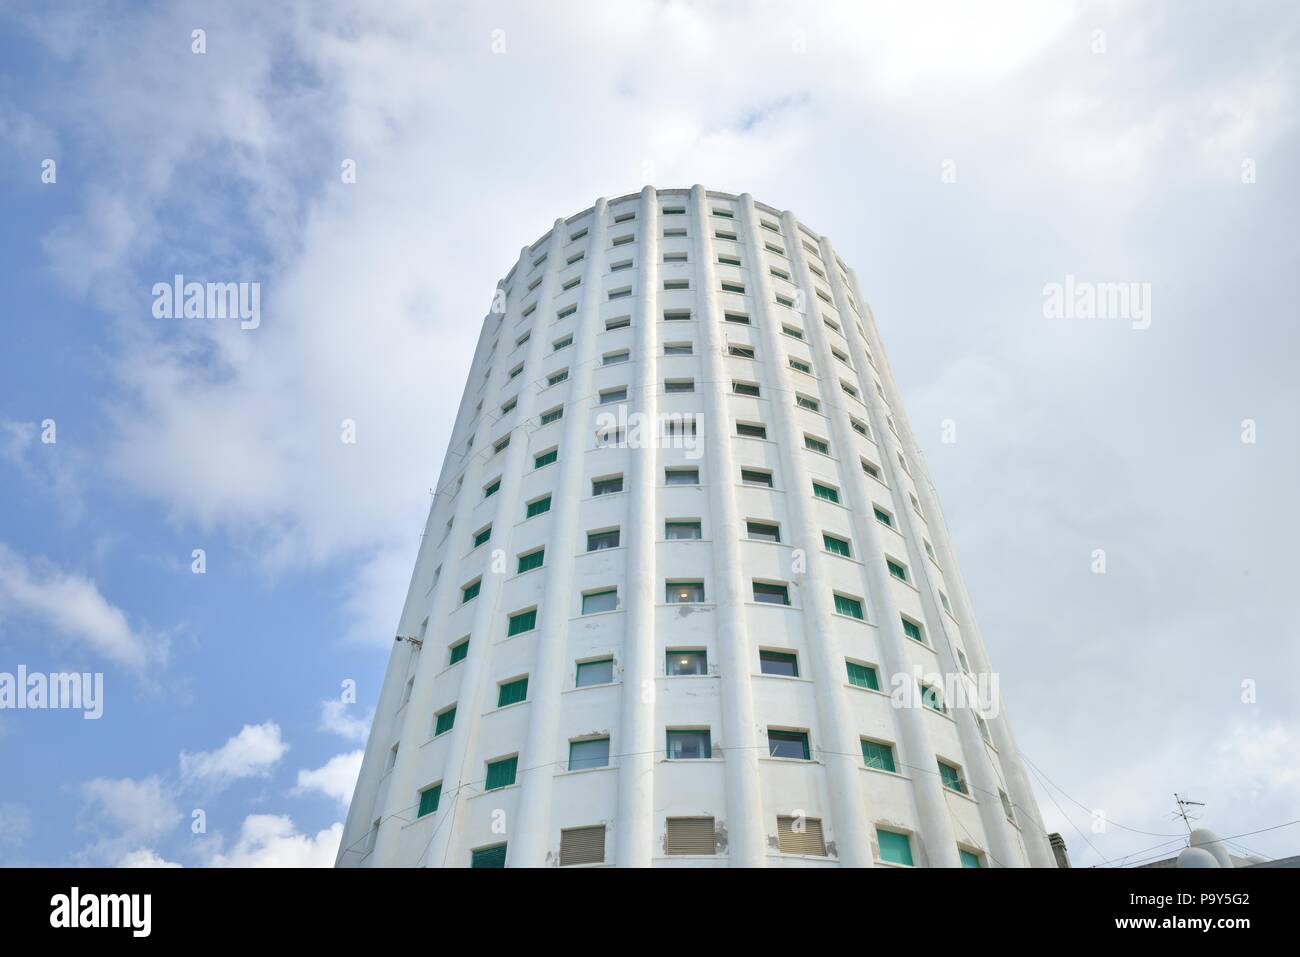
[512, 692]
[471, 591]
[837, 545]
[894, 847]
[429, 800]
[826, 492]
[489, 857]
[501, 774]
[863, 677]
[897, 570]
[546, 458]
[482, 536]
[877, 755]
[848, 606]
[445, 720]
[458, 652]
[951, 778]
[492, 489]
[884, 518]
[540, 506]
[532, 560]
[524, 621]
[968, 859]
[912, 630]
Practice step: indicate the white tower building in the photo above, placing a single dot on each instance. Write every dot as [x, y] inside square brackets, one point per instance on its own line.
[685, 595]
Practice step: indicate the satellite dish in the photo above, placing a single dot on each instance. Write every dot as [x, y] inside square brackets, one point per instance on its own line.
[1206, 839]
[1196, 858]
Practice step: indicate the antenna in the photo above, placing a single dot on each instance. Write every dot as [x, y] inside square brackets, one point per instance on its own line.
[1184, 810]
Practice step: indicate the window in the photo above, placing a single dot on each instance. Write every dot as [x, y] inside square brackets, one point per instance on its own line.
[1007, 808]
[756, 477]
[572, 283]
[852, 607]
[895, 848]
[897, 570]
[470, 591]
[788, 744]
[689, 745]
[597, 601]
[671, 284]
[429, 799]
[624, 217]
[984, 729]
[614, 358]
[674, 211]
[724, 213]
[745, 388]
[521, 622]
[863, 676]
[607, 486]
[682, 476]
[763, 531]
[606, 539]
[620, 322]
[679, 385]
[741, 352]
[619, 267]
[804, 402]
[488, 856]
[968, 858]
[512, 692]
[445, 720]
[751, 431]
[850, 390]
[546, 458]
[557, 377]
[870, 469]
[689, 835]
[930, 698]
[737, 317]
[609, 438]
[835, 545]
[600, 672]
[562, 343]
[733, 287]
[674, 233]
[509, 406]
[769, 594]
[566, 312]
[798, 365]
[778, 663]
[501, 773]
[729, 260]
[883, 517]
[516, 370]
[582, 845]
[524, 338]
[675, 257]
[538, 506]
[613, 395]
[913, 630]
[481, 537]
[816, 445]
[800, 835]
[723, 234]
[500, 445]
[623, 240]
[574, 237]
[683, 531]
[961, 660]
[458, 651]
[784, 300]
[492, 488]
[944, 600]
[678, 349]
[826, 493]
[929, 550]
[531, 560]
[553, 415]
[678, 663]
[950, 775]
[792, 331]
[767, 224]
[592, 753]
[684, 593]
[878, 755]
[677, 315]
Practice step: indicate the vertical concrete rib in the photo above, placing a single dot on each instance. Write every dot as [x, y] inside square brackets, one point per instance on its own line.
[634, 826]
[839, 739]
[532, 831]
[739, 734]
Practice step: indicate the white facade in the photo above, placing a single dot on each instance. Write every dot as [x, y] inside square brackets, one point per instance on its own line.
[596, 319]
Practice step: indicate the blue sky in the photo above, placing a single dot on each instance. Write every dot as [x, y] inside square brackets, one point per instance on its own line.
[1099, 140]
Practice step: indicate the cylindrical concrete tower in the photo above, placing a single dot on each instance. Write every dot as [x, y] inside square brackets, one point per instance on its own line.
[685, 595]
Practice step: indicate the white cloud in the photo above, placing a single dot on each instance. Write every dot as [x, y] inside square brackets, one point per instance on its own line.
[335, 719]
[251, 753]
[144, 857]
[72, 605]
[270, 840]
[15, 824]
[337, 778]
[135, 810]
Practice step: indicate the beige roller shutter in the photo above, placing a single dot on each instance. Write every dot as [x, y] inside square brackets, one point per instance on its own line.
[690, 835]
[807, 840]
[582, 845]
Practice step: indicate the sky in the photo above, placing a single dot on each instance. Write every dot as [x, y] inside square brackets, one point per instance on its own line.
[1120, 490]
